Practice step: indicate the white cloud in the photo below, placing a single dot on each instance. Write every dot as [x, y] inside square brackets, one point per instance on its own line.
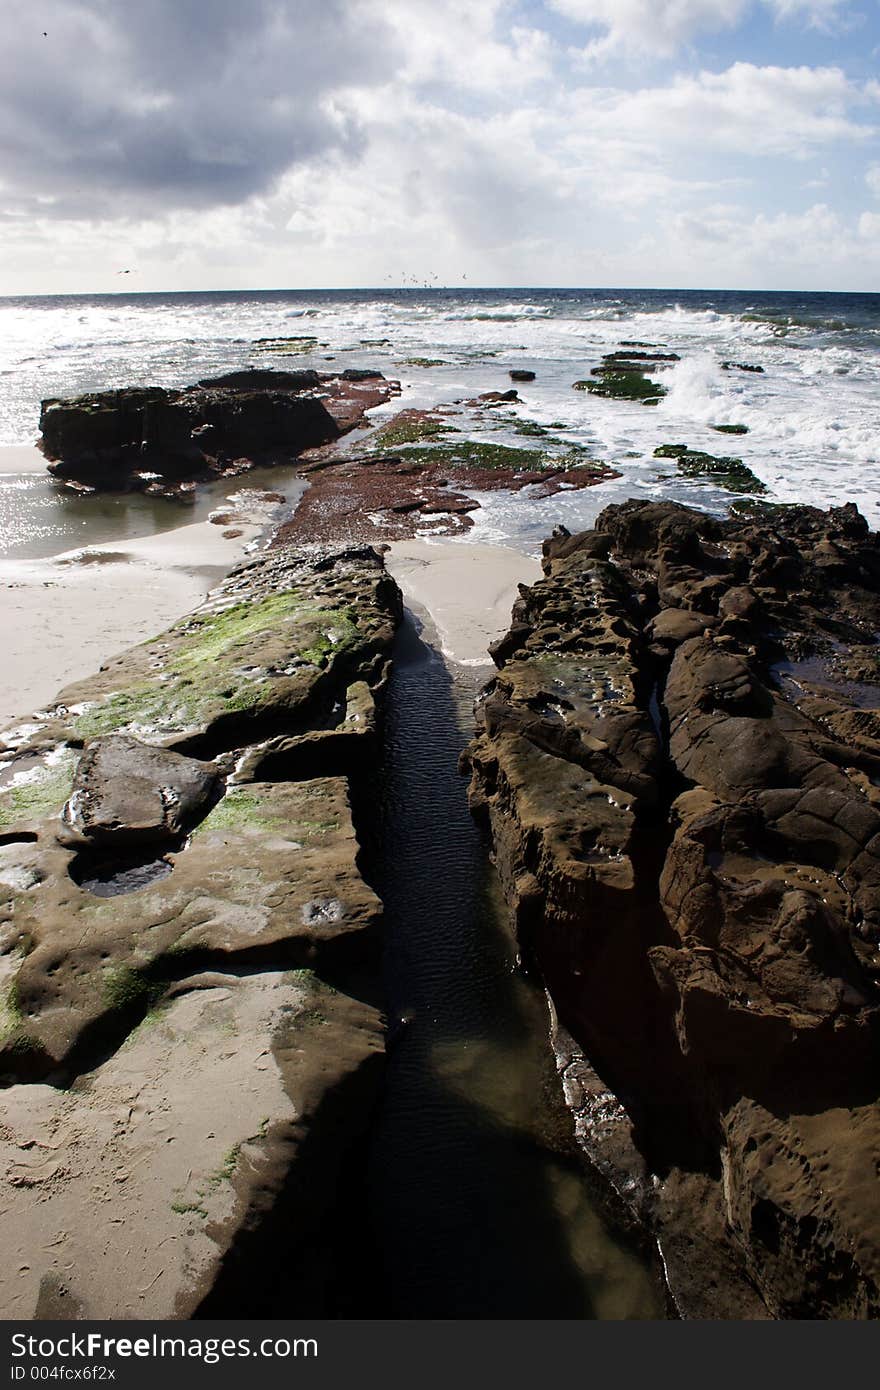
[869, 227]
[165, 103]
[662, 26]
[654, 25]
[746, 109]
[347, 143]
[469, 44]
[816, 12]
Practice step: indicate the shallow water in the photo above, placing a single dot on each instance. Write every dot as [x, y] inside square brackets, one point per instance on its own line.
[38, 518]
[479, 1203]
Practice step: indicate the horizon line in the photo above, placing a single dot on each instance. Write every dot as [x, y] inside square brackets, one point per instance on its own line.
[426, 290]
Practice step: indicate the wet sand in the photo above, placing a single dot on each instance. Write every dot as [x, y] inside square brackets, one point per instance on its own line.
[468, 589]
[21, 458]
[62, 617]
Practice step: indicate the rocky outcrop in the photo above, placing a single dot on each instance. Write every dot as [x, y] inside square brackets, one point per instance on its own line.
[622, 382]
[126, 792]
[678, 761]
[190, 1030]
[162, 441]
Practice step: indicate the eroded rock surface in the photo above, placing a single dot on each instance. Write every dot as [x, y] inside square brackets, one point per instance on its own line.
[190, 1038]
[679, 763]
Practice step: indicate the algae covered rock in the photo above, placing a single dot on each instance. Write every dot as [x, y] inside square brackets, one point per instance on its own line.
[189, 955]
[729, 473]
[278, 640]
[109, 439]
[621, 385]
[153, 439]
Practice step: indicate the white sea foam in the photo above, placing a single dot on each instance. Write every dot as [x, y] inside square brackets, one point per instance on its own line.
[812, 413]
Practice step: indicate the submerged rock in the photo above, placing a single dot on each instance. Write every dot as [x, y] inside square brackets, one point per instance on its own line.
[624, 358]
[618, 384]
[677, 761]
[729, 473]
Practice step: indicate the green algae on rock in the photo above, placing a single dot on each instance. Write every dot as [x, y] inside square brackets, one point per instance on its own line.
[729, 473]
[41, 791]
[289, 346]
[247, 1067]
[623, 386]
[470, 453]
[269, 643]
[411, 427]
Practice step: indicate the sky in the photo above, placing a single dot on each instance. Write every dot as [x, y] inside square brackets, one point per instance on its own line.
[215, 144]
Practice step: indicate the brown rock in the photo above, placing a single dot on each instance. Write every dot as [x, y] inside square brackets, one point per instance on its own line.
[189, 1066]
[127, 792]
[711, 938]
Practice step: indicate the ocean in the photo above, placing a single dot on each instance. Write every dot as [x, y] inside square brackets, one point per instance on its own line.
[813, 412]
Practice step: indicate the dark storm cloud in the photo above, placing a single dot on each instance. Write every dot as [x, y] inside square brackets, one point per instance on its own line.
[142, 107]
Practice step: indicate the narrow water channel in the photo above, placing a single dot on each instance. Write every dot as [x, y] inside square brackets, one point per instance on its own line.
[478, 1204]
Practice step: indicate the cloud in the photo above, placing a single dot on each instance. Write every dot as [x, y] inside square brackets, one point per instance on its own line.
[746, 109]
[869, 227]
[662, 26]
[473, 45]
[658, 26]
[817, 13]
[212, 142]
[173, 103]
